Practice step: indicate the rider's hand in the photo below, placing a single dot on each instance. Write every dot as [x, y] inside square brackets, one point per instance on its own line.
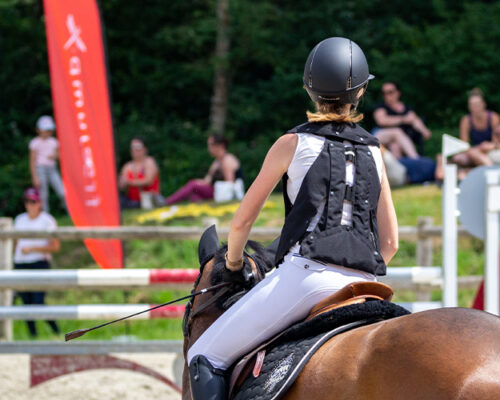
[243, 277]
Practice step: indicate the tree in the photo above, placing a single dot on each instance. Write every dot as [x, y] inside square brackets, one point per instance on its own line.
[218, 108]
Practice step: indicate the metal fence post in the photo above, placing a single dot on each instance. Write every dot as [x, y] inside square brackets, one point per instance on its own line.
[6, 263]
[492, 227]
[449, 232]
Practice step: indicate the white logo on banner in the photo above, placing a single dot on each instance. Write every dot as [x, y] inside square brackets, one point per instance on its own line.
[92, 199]
[75, 35]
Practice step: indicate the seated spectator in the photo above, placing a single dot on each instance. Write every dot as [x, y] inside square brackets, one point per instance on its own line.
[477, 128]
[44, 152]
[408, 170]
[398, 127]
[224, 180]
[139, 176]
[494, 155]
[34, 253]
[480, 128]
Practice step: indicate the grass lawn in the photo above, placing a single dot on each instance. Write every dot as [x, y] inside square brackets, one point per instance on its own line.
[410, 202]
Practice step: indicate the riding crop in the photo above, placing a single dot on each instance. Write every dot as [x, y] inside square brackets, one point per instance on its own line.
[81, 332]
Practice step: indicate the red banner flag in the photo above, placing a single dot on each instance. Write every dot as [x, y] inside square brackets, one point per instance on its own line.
[80, 95]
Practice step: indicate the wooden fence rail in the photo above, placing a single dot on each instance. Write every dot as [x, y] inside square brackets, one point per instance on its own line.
[423, 234]
[410, 233]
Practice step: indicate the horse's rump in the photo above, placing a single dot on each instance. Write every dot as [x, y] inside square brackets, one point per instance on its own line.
[443, 354]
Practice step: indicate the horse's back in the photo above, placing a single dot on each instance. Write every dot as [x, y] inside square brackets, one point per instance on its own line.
[445, 354]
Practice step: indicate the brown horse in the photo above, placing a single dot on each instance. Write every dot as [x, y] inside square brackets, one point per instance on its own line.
[443, 354]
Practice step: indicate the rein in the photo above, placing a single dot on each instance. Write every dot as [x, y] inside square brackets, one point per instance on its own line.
[212, 300]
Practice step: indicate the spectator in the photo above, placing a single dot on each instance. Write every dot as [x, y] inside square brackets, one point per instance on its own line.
[224, 178]
[398, 126]
[477, 129]
[480, 128]
[44, 152]
[34, 253]
[140, 175]
[408, 170]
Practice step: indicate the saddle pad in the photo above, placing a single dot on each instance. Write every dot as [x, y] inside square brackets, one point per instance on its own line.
[286, 357]
[284, 363]
[329, 320]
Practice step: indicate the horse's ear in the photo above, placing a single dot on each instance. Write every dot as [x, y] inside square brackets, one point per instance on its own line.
[209, 243]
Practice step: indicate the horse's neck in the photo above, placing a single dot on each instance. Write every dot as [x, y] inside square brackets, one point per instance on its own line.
[186, 391]
[199, 325]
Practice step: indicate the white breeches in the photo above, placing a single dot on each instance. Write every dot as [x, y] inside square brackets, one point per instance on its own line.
[282, 298]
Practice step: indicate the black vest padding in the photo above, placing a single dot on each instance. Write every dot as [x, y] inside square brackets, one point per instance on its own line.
[355, 246]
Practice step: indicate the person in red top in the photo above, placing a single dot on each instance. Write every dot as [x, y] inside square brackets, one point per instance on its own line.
[141, 174]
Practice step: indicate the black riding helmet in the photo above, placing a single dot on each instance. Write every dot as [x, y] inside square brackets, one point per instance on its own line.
[336, 70]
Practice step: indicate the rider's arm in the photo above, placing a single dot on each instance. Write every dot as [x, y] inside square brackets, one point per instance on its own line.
[276, 163]
[387, 221]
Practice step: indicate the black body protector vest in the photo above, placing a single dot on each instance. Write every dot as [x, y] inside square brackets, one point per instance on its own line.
[353, 246]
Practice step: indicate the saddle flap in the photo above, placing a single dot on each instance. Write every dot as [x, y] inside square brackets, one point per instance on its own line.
[375, 290]
[247, 364]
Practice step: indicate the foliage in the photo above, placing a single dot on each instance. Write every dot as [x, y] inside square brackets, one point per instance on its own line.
[161, 58]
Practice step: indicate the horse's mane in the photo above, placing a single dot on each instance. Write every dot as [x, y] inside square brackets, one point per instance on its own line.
[264, 263]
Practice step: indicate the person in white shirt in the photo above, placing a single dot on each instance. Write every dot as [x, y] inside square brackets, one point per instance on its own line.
[44, 152]
[34, 253]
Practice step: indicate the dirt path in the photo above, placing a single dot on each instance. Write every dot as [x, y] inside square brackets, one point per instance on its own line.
[109, 384]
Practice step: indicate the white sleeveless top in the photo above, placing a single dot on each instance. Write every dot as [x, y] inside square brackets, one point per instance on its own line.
[308, 149]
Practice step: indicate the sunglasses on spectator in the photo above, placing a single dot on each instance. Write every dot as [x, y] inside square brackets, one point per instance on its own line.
[30, 201]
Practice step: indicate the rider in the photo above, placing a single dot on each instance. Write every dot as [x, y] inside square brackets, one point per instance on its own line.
[335, 191]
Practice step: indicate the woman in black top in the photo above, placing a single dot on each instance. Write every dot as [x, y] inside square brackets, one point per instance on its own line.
[398, 126]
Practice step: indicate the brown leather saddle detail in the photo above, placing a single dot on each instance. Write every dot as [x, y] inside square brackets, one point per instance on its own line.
[354, 293]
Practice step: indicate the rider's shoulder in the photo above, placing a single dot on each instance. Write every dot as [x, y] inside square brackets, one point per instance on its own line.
[287, 141]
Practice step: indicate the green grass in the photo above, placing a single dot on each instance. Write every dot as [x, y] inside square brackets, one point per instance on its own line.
[410, 202]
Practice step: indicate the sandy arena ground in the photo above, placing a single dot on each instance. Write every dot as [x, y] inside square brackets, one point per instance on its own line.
[109, 384]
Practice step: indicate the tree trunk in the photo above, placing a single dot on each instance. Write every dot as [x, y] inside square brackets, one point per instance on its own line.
[218, 109]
